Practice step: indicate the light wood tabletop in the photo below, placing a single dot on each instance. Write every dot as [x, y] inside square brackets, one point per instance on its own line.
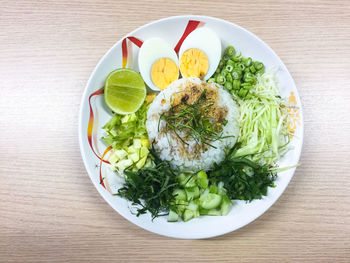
[50, 210]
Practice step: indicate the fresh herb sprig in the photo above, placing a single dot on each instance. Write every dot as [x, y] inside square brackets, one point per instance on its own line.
[243, 179]
[151, 189]
[192, 121]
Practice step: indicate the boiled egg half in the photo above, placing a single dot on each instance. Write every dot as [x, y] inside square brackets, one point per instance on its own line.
[158, 63]
[200, 54]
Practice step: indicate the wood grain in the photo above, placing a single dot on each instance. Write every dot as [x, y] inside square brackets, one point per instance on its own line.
[50, 211]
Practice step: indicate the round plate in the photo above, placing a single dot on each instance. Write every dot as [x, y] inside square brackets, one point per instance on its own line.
[94, 114]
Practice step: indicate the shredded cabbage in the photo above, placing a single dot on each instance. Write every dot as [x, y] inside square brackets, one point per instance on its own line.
[263, 119]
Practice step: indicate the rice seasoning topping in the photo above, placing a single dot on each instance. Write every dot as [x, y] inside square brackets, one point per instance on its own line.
[195, 119]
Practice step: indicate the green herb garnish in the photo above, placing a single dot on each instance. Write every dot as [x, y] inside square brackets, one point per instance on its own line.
[151, 189]
[192, 121]
[243, 179]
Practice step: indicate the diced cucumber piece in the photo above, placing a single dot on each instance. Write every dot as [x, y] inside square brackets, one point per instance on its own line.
[192, 192]
[213, 189]
[134, 157]
[113, 158]
[221, 189]
[202, 179]
[137, 143]
[209, 212]
[143, 151]
[141, 163]
[173, 216]
[210, 201]
[180, 194]
[187, 215]
[192, 206]
[121, 165]
[195, 208]
[145, 142]
[187, 180]
[225, 205]
[132, 149]
[181, 206]
[149, 163]
[121, 154]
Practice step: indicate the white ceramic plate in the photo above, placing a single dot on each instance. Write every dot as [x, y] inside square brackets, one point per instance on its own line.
[171, 29]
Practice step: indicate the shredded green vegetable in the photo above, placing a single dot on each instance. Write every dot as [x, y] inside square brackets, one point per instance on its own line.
[263, 118]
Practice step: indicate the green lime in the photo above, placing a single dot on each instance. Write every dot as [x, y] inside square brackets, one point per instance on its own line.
[124, 91]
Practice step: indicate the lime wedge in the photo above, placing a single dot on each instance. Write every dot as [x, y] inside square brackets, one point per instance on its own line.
[124, 91]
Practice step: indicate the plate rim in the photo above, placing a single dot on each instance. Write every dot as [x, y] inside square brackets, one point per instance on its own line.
[80, 134]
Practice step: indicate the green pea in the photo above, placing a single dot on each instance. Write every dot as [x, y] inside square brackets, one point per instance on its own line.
[236, 74]
[230, 51]
[258, 65]
[241, 66]
[221, 79]
[228, 85]
[229, 78]
[236, 84]
[247, 61]
[225, 72]
[252, 69]
[229, 68]
[230, 62]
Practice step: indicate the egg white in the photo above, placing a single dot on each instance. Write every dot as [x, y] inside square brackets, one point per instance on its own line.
[206, 40]
[150, 51]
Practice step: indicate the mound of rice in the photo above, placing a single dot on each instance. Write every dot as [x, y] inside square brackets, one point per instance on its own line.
[189, 158]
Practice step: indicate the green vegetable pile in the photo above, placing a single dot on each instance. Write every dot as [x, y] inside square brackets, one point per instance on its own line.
[264, 136]
[161, 191]
[236, 73]
[122, 129]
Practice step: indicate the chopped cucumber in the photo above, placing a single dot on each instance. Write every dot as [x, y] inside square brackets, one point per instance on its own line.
[213, 189]
[134, 157]
[132, 149]
[187, 180]
[137, 143]
[225, 205]
[187, 215]
[210, 201]
[145, 142]
[173, 216]
[121, 154]
[192, 192]
[210, 212]
[141, 162]
[180, 194]
[113, 158]
[202, 179]
[143, 151]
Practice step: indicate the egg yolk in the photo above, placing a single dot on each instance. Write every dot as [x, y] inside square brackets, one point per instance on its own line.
[164, 71]
[194, 63]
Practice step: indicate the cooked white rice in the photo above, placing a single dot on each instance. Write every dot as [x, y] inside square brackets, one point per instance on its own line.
[169, 147]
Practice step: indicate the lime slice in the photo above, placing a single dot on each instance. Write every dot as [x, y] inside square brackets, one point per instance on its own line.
[124, 91]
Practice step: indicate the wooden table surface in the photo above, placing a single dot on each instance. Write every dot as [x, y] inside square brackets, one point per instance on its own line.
[49, 209]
